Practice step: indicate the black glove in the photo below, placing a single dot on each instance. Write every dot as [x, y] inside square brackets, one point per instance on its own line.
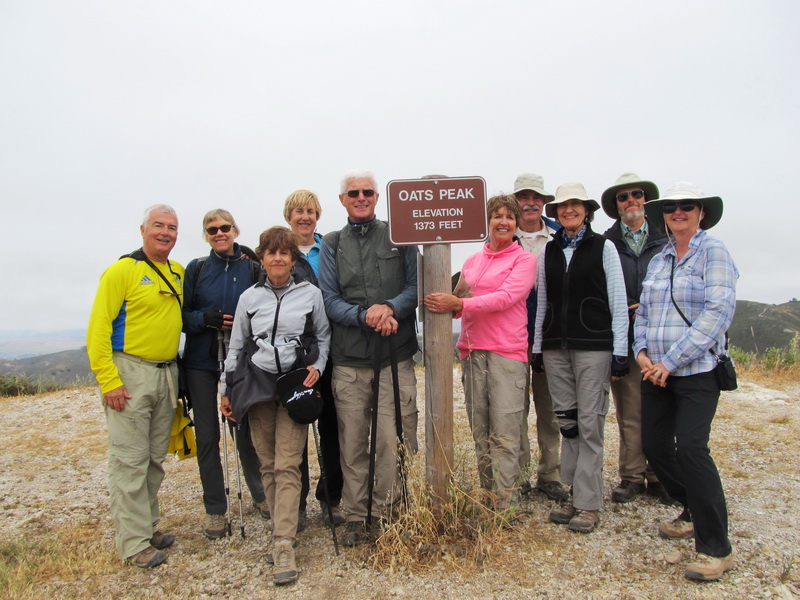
[619, 366]
[537, 363]
[213, 319]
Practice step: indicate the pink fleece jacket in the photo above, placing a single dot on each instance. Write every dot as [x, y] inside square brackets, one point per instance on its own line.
[496, 318]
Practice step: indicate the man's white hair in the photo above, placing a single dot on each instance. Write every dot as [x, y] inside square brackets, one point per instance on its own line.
[160, 207]
[357, 174]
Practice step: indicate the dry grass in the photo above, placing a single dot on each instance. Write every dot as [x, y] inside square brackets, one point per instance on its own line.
[41, 567]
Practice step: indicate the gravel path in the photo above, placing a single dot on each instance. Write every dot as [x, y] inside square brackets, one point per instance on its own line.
[53, 495]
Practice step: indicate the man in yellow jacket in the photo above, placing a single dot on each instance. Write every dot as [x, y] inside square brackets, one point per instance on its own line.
[132, 341]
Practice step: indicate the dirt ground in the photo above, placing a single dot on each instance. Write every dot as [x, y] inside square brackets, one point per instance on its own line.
[58, 535]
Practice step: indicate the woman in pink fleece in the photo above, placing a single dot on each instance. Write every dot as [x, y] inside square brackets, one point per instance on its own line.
[493, 345]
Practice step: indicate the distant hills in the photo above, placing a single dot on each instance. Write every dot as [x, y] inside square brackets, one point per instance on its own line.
[756, 327]
[67, 366]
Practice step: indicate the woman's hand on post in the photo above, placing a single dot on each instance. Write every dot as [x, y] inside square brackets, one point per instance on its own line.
[443, 303]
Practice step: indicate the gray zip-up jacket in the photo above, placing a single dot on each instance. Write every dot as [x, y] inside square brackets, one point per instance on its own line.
[277, 322]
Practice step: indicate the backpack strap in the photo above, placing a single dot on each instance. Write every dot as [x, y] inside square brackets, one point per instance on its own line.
[140, 255]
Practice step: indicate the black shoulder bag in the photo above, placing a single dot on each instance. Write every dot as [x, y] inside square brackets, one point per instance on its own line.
[725, 372]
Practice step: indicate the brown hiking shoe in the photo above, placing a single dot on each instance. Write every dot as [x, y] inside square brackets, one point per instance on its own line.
[584, 521]
[354, 532]
[147, 558]
[562, 514]
[262, 508]
[677, 529]
[162, 540]
[216, 527]
[554, 490]
[626, 491]
[708, 568]
[285, 569]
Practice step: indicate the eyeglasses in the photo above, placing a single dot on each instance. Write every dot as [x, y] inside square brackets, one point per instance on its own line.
[622, 196]
[355, 193]
[684, 205]
[222, 228]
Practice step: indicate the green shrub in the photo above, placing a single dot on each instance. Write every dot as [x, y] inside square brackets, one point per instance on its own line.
[741, 358]
[20, 385]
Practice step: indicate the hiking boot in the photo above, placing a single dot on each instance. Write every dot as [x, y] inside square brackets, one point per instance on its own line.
[553, 490]
[161, 540]
[677, 529]
[626, 491]
[562, 514]
[336, 511]
[584, 521]
[285, 569]
[270, 558]
[216, 527]
[301, 520]
[525, 488]
[354, 532]
[262, 508]
[147, 558]
[708, 568]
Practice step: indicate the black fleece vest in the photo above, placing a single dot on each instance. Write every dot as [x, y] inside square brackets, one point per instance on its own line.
[578, 316]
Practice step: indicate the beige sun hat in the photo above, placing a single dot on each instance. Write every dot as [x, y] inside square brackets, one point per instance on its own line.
[533, 182]
[685, 190]
[609, 197]
[570, 191]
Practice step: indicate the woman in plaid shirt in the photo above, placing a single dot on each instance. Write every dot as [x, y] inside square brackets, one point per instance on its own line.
[696, 276]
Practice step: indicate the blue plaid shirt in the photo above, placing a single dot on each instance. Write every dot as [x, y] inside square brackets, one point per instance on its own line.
[704, 286]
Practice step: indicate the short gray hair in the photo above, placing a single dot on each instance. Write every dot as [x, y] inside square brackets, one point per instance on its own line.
[356, 174]
[160, 207]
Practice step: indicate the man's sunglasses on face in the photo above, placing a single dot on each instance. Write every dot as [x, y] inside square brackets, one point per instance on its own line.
[355, 193]
[623, 196]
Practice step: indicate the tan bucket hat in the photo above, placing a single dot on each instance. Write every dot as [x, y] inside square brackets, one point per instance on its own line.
[685, 190]
[609, 197]
[570, 191]
[533, 182]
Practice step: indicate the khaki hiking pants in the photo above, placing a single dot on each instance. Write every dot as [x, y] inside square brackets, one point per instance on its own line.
[138, 438]
[352, 391]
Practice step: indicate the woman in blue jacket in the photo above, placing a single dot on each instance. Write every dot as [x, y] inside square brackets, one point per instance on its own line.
[211, 291]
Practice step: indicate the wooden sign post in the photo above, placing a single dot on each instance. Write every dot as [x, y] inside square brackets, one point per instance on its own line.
[435, 211]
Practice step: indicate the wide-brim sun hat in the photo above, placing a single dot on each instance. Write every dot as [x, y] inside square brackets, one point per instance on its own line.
[533, 182]
[684, 190]
[570, 191]
[609, 198]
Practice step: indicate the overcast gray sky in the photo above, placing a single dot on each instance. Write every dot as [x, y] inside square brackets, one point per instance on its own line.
[108, 107]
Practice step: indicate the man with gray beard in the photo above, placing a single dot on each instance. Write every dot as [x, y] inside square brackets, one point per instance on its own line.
[534, 231]
[636, 242]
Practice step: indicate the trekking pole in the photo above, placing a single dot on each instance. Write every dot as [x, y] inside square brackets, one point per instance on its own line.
[373, 438]
[398, 419]
[238, 478]
[224, 435]
[325, 491]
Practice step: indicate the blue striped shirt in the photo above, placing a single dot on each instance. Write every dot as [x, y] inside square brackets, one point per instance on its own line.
[704, 286]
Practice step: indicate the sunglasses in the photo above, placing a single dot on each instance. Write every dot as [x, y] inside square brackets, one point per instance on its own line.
[622, 196]
[355, 193]
[214, 230]
[684, 205]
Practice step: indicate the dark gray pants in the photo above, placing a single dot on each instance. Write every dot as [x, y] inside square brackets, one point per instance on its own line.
[205, 412]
